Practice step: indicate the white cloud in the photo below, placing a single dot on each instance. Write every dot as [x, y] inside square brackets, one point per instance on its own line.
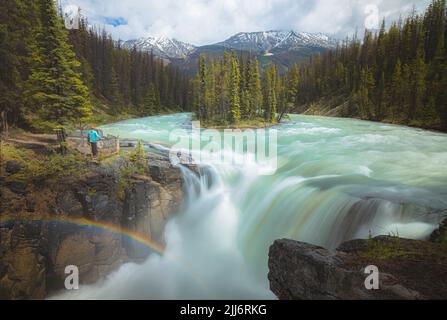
[209, 21]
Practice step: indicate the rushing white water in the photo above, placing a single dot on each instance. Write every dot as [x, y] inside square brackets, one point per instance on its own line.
[337, 179]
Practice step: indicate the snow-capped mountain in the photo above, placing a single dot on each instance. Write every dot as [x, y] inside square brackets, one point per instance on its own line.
[162, 47]
[269, 40]
[258, 42]
[284, 48]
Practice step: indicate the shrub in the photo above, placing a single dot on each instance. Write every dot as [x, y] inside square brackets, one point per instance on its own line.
[37, 167]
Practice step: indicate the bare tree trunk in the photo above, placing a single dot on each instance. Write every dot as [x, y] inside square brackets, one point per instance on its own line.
[284, 113]
[287, 111]
[62, 139]
[1, 155]
[281, 116]
[3, 132]
[4, 122]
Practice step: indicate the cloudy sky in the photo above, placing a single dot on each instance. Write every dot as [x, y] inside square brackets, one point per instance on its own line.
[208, 21]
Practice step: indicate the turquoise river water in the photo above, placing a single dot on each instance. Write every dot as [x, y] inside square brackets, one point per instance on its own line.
[335, 180]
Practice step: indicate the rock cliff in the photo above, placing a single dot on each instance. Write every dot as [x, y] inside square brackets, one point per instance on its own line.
[38, 239]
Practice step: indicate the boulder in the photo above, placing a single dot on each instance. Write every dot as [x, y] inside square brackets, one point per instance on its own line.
[408, 269]
[17, 187]
[13, 167]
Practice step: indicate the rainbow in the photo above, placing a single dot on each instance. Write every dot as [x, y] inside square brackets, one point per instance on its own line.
[109, 227]
[101, 225]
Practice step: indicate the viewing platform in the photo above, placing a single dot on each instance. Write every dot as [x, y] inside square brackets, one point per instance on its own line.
[109, 145]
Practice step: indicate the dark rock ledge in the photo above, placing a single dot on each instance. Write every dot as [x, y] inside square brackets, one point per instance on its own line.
[409, 269]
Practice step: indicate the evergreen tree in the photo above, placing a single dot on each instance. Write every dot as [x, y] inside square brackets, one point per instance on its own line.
[201, 89]
[151, 101]
[366, 87]
[245, 105]
[270, 98]
[19, 20]
[418, 77]
[255, 88]
[381, 96]
[396, 75]
[48, 74]
[292, 86]
[248, 72]
[55, 91]
[396, 90]
[235, 104]
[210, 90]
[384, 78]
[9, 78]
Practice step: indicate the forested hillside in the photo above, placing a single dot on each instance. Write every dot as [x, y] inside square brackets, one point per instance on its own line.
[50, 76]
[397, 75]
[128, 78]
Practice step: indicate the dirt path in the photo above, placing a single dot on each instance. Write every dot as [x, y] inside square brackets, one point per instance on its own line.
[37, 142]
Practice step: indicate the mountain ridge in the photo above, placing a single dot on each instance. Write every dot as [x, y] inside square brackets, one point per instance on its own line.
[257, 42]
[265, 41]
[280, 47]
[163, 47]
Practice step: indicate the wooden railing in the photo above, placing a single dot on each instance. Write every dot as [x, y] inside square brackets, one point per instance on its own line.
[109, 145]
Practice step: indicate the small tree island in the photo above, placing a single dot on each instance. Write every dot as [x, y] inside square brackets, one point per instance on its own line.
[230, 92]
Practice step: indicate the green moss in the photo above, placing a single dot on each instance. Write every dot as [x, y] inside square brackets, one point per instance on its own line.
[38, 166]
[10, 153]
[92, 192]
[381, 250]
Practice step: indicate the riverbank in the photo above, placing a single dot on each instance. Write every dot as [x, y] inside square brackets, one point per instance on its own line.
[58, 210]
[338, 107]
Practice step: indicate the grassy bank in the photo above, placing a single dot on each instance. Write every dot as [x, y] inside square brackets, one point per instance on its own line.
[218, 124]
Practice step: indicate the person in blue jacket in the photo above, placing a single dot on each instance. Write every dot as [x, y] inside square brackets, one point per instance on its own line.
[93, 137]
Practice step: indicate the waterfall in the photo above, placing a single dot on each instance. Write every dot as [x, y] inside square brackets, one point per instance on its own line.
[337, 180]
[201, 249]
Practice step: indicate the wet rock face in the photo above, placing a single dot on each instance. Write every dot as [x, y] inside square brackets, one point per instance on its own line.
[408, 269]
[148, 207]
[22, 274]
[440, 234]
[34, 254]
